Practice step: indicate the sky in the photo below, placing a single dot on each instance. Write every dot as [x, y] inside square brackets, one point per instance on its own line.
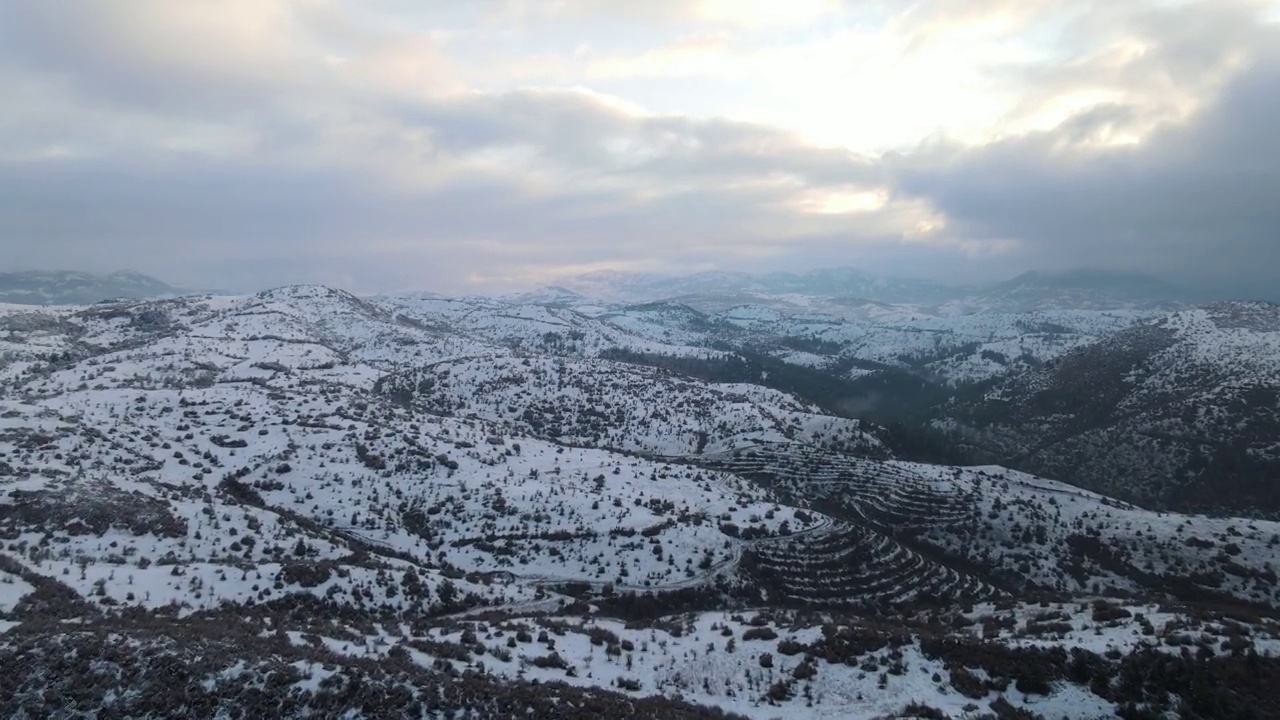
[498, 145]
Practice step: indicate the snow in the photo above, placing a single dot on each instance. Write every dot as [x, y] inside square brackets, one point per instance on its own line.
[12, 589]
[699, 666]
[210, 450]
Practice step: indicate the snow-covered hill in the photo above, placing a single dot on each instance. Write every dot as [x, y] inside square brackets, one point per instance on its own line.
[1180, 409]
[441, 502]
[616, 405]
[544, 329]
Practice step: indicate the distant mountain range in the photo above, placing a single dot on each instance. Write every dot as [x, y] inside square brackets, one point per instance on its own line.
[834, 282]
[1077, 290]
[714, 290]
[64, 287]
[842, 291]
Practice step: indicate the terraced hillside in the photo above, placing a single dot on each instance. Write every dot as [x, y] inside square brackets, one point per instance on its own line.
[849, 565]
[981, 532]
[861, 559]
[880, 494]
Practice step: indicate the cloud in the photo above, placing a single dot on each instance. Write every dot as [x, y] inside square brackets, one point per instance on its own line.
[161, 55]
[1193, 201]
[678, 13]
[595, 183]
[384, 146]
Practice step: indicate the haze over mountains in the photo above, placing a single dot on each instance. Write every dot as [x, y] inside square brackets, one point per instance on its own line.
[65, 287]
[1079, 289]
[851, 283]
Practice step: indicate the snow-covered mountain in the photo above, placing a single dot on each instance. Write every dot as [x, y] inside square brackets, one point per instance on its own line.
[1075, 290]
[79, 288]
[1180, 410]
[617, 286]
[302, 502]
[846, 290]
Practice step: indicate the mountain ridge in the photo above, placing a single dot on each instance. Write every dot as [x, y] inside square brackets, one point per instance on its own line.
[1083, 288]
[69, 287]
[1178, 410]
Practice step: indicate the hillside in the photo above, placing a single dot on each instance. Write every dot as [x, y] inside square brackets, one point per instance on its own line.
[1179, 410]
[621, 406]
[473, 506]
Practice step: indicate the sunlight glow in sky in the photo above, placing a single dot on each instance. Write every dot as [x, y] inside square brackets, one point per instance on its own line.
[395, 144]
